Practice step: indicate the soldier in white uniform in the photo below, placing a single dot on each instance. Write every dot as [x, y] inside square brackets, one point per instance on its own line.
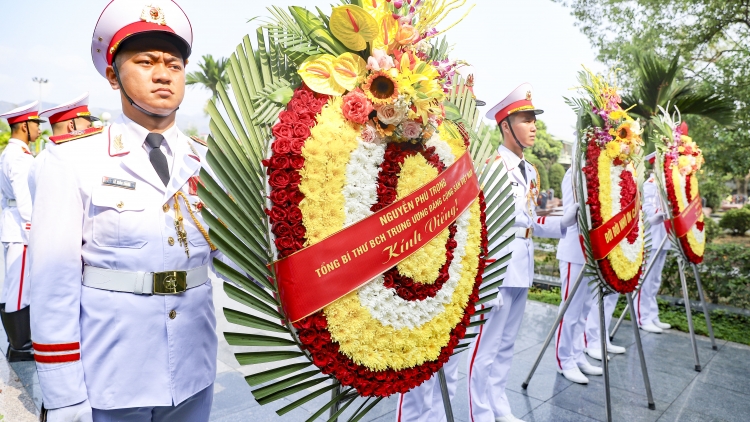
[491, 352]
[591, 337]
[121, 255]
[569, 357]
[645, 304]
[70, 121]
[15, 225]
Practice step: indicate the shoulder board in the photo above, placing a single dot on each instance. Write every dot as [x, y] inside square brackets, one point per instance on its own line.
[76, 134]
[199, 140]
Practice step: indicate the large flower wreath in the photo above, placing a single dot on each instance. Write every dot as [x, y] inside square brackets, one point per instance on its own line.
[608, 149]
[680, 161]
[335, 119]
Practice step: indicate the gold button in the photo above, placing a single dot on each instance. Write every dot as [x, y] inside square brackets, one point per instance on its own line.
[165, 207]
[172, 314]
[170, 241]
[120, 204]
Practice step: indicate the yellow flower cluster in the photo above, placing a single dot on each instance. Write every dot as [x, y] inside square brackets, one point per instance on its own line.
[326, 154]
[423, 266]
[421, 83]
[627, 141]
[369, 343]
[623, 267]
[697, 246]
[449, 133]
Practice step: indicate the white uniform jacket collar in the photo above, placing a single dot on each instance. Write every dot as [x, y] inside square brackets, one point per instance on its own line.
[512, 162]
[126, 140]
[20, 143]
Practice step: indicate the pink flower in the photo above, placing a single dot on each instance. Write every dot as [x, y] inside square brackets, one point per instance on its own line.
[370, 134]
[411, 130]
[356, 107]
[379, 60]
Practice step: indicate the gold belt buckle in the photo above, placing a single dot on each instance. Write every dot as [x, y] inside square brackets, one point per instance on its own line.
[170, 282]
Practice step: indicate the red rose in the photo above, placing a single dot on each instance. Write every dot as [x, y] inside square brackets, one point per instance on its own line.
[307, 337]
[294, 179]
[277, 214]
[296, 146]
[299, 231]
[281, 146]
[307, 118]
[303, 95]
[300, 130]
[297, 162]
[279, 179]
[283, 242]
[298, 106]
[356, 107]
[279, 162]
[279, 196]
[294, 215]
[281, 229]
[283, 130]
[287, 116]
[316, 106]
[295, 196]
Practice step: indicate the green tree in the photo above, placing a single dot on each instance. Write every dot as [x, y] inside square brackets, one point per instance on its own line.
[211, 74]
[556, 174]
[4, 134]
[546, 148]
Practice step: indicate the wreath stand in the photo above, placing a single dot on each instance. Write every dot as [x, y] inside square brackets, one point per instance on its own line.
[681, 261]
[333, 417]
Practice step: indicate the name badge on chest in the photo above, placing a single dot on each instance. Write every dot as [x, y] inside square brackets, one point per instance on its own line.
[118, 183]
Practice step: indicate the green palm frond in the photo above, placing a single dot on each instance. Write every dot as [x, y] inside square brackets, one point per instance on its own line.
[212, 73]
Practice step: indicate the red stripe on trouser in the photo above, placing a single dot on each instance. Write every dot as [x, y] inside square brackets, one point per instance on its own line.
[585, 341]
[59, 347]
[559, 329]
[400, 407]
[471, 366]
[23, 270]
[71, 357]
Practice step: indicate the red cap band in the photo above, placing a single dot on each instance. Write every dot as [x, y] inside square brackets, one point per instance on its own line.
[68, 114]
[133, 29]
[32, 115]
[513, 108]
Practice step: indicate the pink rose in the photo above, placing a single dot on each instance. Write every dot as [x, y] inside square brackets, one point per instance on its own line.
[379, 60]
[370, 134]
[411, 130]
[356, 107]
[390, 115]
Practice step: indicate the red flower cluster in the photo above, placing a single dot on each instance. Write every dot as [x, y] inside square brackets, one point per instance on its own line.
[628, 190]
[672, 196]
[313, 333]
[283, 168]
[407, 289]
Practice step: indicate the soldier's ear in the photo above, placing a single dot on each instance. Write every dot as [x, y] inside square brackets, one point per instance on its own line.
[112, 78]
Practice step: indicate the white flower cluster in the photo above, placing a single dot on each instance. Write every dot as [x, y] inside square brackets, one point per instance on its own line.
[631, 251]
[361, 188]
[442, 149]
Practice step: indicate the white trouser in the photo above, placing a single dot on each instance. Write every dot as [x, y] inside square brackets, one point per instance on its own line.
[569, 335]
[197, 408]
[646, 308]
[591, 338]
[15, 289]
[490, 356]
[425, 402]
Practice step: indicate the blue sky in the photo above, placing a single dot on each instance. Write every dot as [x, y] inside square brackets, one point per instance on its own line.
[507, 43]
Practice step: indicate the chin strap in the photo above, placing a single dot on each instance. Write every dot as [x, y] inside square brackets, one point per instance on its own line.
[130, 100]
[28, 134]
[510, 126]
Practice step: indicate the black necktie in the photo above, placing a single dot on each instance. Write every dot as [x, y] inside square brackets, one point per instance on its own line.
[521, 166]
[157, 157]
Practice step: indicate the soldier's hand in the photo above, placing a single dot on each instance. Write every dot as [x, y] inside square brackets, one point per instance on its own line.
[570, 216]
[80, 412]
[657, 219]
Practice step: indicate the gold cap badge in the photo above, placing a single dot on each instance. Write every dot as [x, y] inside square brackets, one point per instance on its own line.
[528, 95]
[153, 14]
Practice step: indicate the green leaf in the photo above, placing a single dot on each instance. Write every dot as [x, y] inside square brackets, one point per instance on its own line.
[241, 318]
[244, 339]
[280, 385]
[299, 402]
[250, 301]
[291, 390]
[272, 374]
[316, 31]
[333, 401]
[233, 275]
[282, 95]
[253, 358]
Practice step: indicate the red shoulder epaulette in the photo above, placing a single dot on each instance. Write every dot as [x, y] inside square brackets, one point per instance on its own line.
[76, 134]
[199, 140]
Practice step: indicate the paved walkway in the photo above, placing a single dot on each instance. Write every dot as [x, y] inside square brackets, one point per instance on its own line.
[720, 393]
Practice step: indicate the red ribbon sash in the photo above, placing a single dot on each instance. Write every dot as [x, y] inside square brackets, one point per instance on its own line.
[318, 275]
[685, 220]
[605, 237]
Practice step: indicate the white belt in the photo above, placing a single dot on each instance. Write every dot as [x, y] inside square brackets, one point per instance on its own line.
[12, 202]
[144, 283]
[524, 233]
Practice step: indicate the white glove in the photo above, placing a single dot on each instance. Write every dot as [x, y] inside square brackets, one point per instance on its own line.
[80, 412]
[657, 219]
[495, 303]
[570, 217]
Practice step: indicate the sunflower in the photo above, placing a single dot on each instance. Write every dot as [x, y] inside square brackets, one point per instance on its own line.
[380, 88]
[624, 131]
